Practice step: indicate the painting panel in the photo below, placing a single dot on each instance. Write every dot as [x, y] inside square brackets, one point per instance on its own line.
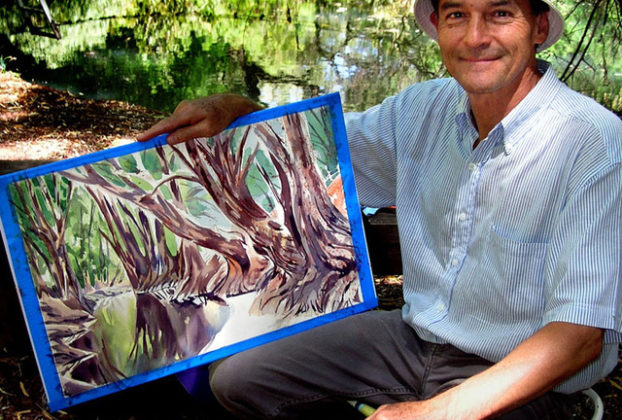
[146, 260]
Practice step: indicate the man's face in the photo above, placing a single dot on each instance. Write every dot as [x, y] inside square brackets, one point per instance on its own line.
[487, 45]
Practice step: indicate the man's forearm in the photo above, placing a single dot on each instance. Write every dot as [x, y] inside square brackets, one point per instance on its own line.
[536, 366]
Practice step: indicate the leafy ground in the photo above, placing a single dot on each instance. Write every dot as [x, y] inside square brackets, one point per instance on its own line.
[39, 124]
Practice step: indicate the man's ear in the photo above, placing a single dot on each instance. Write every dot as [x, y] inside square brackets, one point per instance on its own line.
[542, 28]
[434, 19]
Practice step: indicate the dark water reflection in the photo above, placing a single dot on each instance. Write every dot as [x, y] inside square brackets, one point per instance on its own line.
[156, 53]
[365, 54]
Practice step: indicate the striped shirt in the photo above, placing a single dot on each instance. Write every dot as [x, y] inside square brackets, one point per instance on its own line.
[500, 240]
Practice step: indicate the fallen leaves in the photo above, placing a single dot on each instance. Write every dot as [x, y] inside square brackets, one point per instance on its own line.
[19, 414]
[615, 384]
[23, 388]
[41, 123]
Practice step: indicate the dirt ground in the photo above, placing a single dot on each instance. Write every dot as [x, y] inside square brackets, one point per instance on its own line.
[38, 125]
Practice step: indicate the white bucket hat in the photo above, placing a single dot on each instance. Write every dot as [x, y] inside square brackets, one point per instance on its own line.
[424, 8]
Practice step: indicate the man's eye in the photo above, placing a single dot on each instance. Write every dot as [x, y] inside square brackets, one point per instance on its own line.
[455, 15]
[502, 14]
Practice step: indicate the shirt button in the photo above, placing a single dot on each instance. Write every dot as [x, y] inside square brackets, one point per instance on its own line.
[472, 166]
[462, 217]
[455, 262]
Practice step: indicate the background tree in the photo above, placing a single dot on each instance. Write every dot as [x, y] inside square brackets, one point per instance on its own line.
[157, 54]
[588, 55]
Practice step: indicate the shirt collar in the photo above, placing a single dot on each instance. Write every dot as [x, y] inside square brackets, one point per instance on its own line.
[465, 123]
[539, 97]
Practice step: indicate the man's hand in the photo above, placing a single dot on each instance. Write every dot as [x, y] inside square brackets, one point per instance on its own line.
[204, 117]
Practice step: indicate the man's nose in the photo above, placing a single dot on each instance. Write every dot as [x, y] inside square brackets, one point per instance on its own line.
[477, 32]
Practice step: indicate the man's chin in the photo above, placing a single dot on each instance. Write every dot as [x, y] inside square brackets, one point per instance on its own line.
[478, 87]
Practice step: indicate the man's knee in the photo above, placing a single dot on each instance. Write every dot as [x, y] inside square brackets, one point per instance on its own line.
[242, 384]
[229, 383]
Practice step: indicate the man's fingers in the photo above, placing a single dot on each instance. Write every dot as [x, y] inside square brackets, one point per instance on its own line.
[203, 117]
[160, 127]
[169, 124]
[203, 129]
[146, 135]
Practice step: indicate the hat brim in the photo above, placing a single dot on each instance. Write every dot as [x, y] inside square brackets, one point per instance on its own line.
[424, 8]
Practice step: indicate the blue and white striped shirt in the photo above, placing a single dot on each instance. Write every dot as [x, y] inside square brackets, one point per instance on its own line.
[500, 240]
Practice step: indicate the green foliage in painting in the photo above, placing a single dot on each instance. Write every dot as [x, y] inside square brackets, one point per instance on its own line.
[88, 253]
[41, 205]
[260, 177]
[23, 202]
[151, 163]
[323, 143]
[171, 242]
[140, 182]
[107, 170]
[128, 164]
[194, 199]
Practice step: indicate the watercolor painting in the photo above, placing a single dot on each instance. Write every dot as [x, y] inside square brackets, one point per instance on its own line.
[153, 261]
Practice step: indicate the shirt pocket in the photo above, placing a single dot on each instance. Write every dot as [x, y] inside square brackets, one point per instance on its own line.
[515, 276]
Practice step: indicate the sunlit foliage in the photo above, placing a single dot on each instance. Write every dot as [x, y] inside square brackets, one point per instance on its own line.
[156, 53]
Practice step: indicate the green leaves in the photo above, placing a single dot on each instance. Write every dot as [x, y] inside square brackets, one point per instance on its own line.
[278, 51]
[322, 141]
[151, 163]
[128, 164]
[260, 174]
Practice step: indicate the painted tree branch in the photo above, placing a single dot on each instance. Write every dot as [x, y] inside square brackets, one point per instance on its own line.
[51, 235]
[317, 225]
[309, 247]
[298, 255]
[243, 269]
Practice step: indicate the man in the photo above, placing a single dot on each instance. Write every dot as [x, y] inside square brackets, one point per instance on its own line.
[508, 187]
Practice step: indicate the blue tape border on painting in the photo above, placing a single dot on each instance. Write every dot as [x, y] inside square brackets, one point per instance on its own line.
[352, 204]
[30, 304]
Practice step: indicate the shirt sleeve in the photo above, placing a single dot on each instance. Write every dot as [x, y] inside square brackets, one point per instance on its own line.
[584, 285]
[372, 147]
[379, 135]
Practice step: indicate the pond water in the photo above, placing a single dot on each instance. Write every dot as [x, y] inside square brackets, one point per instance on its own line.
[274, 51]
[293, 53]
